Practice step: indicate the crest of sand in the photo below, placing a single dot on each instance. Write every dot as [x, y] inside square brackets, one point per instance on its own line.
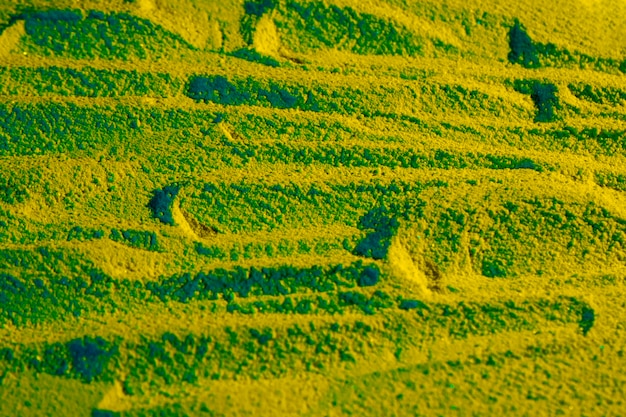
[266, 40]
[404, 267]
[10, 38]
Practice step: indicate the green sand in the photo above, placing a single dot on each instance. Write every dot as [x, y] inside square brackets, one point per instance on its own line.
[293, 207]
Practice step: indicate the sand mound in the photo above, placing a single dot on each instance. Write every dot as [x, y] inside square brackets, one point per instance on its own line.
[10, 38]
[183, 18]
[266, 40]
[405, 267]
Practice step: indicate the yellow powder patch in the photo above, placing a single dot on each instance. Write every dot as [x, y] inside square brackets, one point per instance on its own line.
[181, 221]
[404, 267]
[10, 38]
[115, 399]
[266, 40]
